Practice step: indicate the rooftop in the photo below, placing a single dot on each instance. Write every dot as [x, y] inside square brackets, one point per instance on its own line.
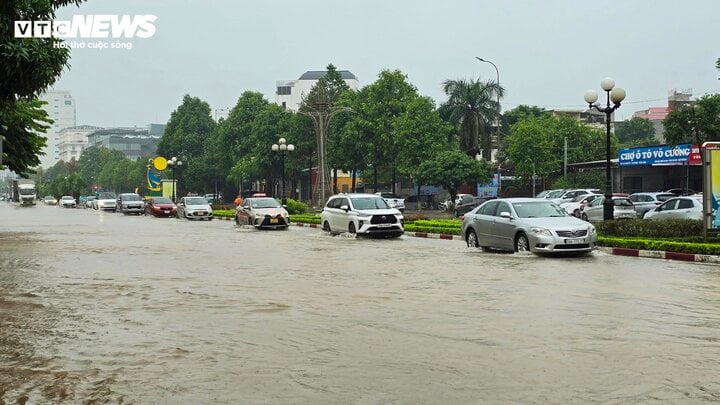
[317, 74]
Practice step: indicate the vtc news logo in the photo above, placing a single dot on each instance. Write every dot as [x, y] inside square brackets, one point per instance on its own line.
[89, 26]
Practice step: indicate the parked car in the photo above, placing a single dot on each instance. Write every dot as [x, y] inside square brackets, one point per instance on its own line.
[364, 214]
[623, 209]
[575, 206]
[550, 194]
[67, 201]
[194, 208]
[262, 212]
[680, 192]
[130, 203]
[105, 201]
[644, 202]
[677, 208]
[467, 203]
[160, 207]
[568, 195]
[393, 200]
[427, 202]
[448, 204]
[87, 201]
[526, 225]
[49, 200]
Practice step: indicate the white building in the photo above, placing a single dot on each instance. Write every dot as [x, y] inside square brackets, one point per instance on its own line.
[73, 141]
[61, 109]
[289, 93]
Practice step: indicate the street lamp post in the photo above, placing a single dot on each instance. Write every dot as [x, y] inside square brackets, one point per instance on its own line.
[616, 95]
[174, 163]
[283, 147]
[497, 73]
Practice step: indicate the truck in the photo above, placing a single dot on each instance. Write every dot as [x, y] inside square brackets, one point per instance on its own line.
[24, 192]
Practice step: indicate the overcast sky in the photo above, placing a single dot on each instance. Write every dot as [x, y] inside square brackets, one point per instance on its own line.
[548, 52]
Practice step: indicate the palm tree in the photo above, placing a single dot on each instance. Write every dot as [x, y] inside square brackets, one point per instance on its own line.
[473, 104]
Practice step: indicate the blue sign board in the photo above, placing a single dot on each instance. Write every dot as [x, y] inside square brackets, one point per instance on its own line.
[655, 155]
[488, 190]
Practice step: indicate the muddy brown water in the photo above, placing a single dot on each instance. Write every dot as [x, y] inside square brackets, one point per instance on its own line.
[101, 307]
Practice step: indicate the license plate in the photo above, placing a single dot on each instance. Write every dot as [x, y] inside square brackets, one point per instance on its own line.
[574, 241]
[166, 211]
[273, 220]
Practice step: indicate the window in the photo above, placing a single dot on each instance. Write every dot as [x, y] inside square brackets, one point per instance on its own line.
[284, 90]
[502, 207]
[284, 105]
[684, 204]
[670, 205]
[489, 208]
[68, 102]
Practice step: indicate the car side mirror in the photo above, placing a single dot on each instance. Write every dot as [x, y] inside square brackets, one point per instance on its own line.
[284, 206]
[345, 208]
[506, 214]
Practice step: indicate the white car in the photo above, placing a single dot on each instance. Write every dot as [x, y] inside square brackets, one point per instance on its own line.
[364, 214]
[446, 205]
[394, 200]
[67, 201]
[105, 201]
[194, 208]
[678, 208]
[568, 195]
[574, 207]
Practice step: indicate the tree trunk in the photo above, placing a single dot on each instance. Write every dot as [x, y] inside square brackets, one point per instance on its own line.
[419, 203]
[394, 178]
[375, 177]
[335, 188]
[354, 177]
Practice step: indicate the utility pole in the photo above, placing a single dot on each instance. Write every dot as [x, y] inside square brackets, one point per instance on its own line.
[565, 165]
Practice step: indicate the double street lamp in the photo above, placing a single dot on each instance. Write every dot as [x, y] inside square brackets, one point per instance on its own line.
[283, 147]
[174, 163]
[616, 95]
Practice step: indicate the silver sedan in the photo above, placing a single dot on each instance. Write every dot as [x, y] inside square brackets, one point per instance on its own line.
[526, 224]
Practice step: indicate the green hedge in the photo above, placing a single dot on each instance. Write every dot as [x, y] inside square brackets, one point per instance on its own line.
[411, 227]
[661, 245]
[305, 218]
[446, 223]
[645, 228]
[296, 207]
[224, 213]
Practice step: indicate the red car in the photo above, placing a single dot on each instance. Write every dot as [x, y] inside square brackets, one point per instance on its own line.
[160, 207]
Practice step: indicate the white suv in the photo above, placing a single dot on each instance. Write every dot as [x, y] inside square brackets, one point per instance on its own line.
[366, 214]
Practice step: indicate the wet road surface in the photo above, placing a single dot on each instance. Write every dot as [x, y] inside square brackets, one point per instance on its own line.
[101, 307]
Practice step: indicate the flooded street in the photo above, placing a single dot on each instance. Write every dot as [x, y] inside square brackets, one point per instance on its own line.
[101, 307]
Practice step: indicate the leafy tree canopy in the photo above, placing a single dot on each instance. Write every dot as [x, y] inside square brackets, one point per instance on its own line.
[698, 122]
[451, 169]
[188, 130]
[635, 132]
[22, 122]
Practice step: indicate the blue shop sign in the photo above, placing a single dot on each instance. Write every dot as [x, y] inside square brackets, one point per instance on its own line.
[656, 155]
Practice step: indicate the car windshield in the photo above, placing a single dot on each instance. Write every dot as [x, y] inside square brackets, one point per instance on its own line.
[66, 197]
[107, 196]
[162, 200]
[664, 197]
[265, 203]
[538, 209]
[369, 203]
[579, 198]
[542, 194]
[131, 197]
[389, 195]
[90, 198]
[555, 194]
[622, 202]
[25, 191]
[196, 201]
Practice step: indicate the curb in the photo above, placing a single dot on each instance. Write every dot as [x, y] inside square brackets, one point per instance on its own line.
[412, 234]
[666, 255]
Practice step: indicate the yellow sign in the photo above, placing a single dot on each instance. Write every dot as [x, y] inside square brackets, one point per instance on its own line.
[715, 187]
[160, 163]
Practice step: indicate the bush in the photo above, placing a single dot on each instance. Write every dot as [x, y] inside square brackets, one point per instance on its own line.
[296, 207]
[305, 218]
[224, 213]
[432, 229]
[651, 229]
[661, 245]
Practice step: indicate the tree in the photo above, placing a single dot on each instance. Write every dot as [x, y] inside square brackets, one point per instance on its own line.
[519, 113]
[188, 130]
[472, 104]
[22, 122]
[635, 132]
[451, 169]
[333, 85]
[28, 66]
[694, 123]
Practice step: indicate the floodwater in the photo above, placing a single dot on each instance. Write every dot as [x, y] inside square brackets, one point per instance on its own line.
[100, 307]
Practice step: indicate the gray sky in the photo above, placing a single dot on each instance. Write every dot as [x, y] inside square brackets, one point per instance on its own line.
[548, 52]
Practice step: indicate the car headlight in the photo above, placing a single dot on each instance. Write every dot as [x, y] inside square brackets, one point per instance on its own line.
[363, 218]
[541, 231]
[592, 230]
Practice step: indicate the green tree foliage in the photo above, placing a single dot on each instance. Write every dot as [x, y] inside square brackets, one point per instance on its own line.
[188, 130]
[472, 105]
[519, 113]
[635, 132]
[694, 123]
[452, 169]
[28, 66]
[535, 144]
[333, 85]
[22, 122]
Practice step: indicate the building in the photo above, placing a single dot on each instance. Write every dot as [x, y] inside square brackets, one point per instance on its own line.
[61, 109]
[133, 142]
[289, 93]
[72, 141]
[656, 115]
[591, 117]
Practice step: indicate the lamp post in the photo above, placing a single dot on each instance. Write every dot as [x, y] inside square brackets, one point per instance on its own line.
[497, 73]
[616, 95]
[174, 163]
[283, 147]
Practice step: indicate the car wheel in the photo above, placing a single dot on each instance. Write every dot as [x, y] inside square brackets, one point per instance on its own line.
[351, 228]
[584, 217]
[576, 213]
[472, 239]
[522, 244]
[326, 226]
